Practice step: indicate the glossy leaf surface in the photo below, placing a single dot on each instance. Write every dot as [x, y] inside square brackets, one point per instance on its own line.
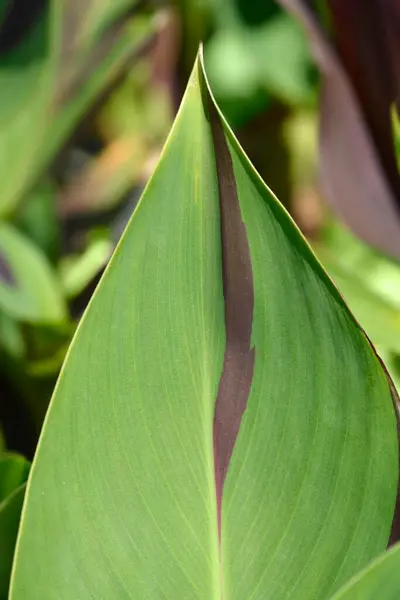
[213, 319]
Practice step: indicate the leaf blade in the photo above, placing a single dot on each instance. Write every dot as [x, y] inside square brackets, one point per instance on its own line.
[126, 456]
[265, 555]
[380, 579]
[188, 383]
[30, 291]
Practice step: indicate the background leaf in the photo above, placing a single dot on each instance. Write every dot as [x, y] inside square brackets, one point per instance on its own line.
[357, 162]
[29, 290]
[13, 473]
[27, 75]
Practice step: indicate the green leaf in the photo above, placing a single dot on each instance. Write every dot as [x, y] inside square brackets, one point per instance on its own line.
[369, 281]
[10, 513]
[78, 271]
[48, 84]
[213, 320]
[85, 22]
[13, 473]
[396, 133]
[101, 13]
[39, 220]
[27, 76]
[378, 316]
[28, 287]
[236, 54]
[380, 580]
[92, 82]
[11, 337]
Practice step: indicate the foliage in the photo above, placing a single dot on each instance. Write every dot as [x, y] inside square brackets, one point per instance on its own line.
[358, 164]
[13, 474]
[51, 73]
[221, 425]
[174, 415]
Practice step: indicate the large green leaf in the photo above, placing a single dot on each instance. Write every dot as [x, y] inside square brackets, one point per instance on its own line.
[13, 473]
[380, 580]
[212, 300]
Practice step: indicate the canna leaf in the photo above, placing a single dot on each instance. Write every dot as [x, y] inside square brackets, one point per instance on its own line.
[380, 580]
[221, 427]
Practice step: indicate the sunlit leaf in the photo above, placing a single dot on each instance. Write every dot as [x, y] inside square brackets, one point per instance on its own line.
[236, 57]
[221, 427]
[78, 271]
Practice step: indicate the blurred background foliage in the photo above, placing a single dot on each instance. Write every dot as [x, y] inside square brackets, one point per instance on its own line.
[89, 91]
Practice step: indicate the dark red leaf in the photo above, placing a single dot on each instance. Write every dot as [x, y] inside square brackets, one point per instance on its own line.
[357, 154]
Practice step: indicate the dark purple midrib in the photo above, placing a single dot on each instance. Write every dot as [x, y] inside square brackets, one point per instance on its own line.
[237, 275]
